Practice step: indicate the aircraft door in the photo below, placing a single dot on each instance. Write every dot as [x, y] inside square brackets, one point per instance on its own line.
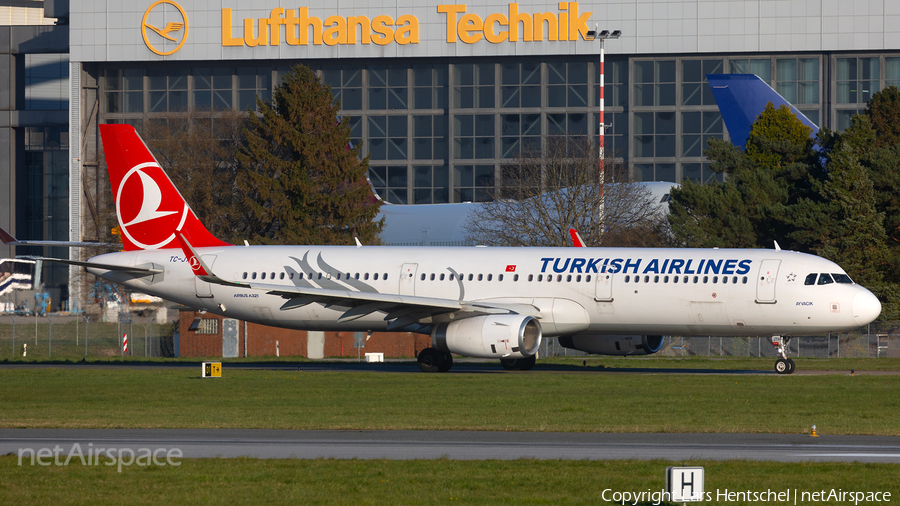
[604, 287]
[202, 288]
[765, 281]
[408, 279]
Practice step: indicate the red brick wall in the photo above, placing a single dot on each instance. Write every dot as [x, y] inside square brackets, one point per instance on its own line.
[261, 340]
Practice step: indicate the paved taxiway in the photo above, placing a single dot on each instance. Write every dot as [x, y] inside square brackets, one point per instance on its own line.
[461, 445]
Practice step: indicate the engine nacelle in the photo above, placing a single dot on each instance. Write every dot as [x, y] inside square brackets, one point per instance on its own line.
[493, 336]
[614, 345]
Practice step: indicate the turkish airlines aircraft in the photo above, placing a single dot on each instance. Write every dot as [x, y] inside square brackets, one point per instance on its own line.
[477, 302]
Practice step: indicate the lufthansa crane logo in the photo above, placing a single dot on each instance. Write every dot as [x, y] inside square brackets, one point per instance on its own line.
[167, 26]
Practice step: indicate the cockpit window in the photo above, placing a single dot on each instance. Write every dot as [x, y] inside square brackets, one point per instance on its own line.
[811, 279]
[825, 279]
[842, 279]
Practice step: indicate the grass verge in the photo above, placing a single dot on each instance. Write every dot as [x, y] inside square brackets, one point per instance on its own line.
[250, 481]
[179, 398]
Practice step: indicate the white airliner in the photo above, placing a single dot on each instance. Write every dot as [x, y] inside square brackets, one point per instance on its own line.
[473, 301]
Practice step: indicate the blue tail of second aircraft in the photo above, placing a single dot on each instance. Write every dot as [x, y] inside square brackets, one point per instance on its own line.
[741, 98]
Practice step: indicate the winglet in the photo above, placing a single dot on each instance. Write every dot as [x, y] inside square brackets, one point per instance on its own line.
[197, 265]
[6, 238]
[777, 247]
[577, 241]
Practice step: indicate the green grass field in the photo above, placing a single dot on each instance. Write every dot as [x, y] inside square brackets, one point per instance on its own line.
[160, 397]
[250, 481]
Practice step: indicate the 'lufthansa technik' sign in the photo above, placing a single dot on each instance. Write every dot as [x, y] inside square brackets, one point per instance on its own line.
[167, 34]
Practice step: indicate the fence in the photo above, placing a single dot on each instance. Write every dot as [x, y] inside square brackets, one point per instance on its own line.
[57, 336]
[877, 340]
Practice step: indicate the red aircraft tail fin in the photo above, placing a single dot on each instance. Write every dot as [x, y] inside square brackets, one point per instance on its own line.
[148, 205]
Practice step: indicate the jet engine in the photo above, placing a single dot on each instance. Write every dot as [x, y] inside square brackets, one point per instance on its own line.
[614, 345]
[492, 336]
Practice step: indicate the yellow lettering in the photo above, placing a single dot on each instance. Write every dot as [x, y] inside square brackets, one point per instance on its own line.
[305, 23]
[563, 21]
[514, 19]
[407, 30]
[290, 29]
[470, 23]
[489, 34]
[382, 25]
[365, 29]
[336, 33]
[577, 24]
[275, 20]
[227, 39]
[261, 36]
[539, 20]
[451, 11]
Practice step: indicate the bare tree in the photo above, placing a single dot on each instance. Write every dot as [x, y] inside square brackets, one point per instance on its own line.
[197, 150]
[544, 194]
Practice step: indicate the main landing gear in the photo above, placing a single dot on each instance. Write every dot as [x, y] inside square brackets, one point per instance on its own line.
[518, 364]
[434, 360]
[783, 365]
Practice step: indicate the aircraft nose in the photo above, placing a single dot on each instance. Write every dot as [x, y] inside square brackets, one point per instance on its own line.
[866, 307]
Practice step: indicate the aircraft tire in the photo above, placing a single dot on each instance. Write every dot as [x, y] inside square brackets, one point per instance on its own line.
[446, 362]
[510, 364]
[527, 363]
[429, 360]
[782, 366]
[791, 366]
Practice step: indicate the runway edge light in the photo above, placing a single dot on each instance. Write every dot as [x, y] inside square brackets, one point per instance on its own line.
[813, 432]
[211, 370]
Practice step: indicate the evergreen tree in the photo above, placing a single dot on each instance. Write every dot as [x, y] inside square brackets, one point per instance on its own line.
[884, 111]
[300, 180]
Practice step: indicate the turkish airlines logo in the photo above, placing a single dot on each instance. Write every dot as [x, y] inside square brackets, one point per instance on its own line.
[168, 20]
[147, 217]
[195, 264]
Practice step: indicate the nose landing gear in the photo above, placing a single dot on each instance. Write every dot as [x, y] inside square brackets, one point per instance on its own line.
[783, 365]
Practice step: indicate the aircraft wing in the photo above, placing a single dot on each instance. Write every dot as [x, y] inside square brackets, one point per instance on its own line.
[403, 311]
[139, 271]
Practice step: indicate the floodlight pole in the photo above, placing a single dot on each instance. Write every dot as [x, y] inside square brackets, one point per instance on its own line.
[602, 35]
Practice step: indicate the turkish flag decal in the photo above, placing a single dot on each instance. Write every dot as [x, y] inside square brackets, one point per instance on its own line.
[510, 268]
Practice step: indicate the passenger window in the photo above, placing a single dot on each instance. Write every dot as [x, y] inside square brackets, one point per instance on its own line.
[725, 280]
[842, 279]
[272, 276]
[442, 277]
[291, 276]
[627, 279]
[540, 277]
[281, 276]
[422, 277]
[253, 276]
[320, 276]
[550, 278]
[656, 279]
[245, 275]
[530, 277]
[431, 278]
[470, 277]
[356, 276]
[263, 276]
[705, 279]
[697, 278]
[384, 277]
[376, 277]
[451, 277]
[569, 278]
[825, 279]
[666, 279]
[745, 280]
[338, 276]
[811, 279]
[588, 278]
[300, 276]
[499, 277]
[715, 279]
[734, 280]
[480, 277]
[366, 276]
[490, 276]
[578, 278]
[646, 279]
[674, 279]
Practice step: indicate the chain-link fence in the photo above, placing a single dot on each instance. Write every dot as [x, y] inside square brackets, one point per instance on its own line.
[877, 340]
[75, 336]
